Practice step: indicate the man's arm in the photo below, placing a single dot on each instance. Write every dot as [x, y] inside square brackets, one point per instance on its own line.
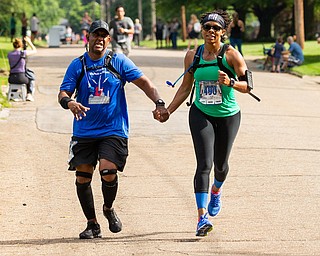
[147, 86]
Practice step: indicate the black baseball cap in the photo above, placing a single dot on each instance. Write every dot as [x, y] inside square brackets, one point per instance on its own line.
[99, 24]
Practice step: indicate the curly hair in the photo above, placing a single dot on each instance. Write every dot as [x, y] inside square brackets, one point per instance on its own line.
[225, 15]
[17, 43]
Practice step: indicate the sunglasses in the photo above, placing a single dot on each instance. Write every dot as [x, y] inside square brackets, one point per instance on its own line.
[97, 34]
[207, 27]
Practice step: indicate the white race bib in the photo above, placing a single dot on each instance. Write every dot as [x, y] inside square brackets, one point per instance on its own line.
[210, 92]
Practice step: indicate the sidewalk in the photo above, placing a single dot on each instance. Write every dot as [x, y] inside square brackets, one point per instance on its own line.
[271, 197]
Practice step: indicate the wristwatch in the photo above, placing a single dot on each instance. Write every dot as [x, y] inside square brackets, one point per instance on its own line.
[232, 81]
[160, 103]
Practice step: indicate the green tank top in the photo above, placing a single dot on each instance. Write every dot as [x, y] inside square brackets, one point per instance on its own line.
[212, 99]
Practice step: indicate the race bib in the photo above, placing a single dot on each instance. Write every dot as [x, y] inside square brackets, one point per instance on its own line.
[210, 92]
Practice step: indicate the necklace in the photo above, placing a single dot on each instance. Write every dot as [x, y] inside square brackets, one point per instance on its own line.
[212, 53]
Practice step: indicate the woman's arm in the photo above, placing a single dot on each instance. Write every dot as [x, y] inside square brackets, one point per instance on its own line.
[33, 48]
[184, 89]
[235, 60]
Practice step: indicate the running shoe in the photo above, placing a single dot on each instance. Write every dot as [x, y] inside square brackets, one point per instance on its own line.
[92, 231]
[115, 224]
[214, 205]
[29, 97]
[204, 225]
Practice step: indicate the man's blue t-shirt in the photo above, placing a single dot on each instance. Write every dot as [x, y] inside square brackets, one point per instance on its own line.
[296, 51]
[103, 93]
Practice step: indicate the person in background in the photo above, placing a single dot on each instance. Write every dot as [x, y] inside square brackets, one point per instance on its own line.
[137, 32]
[158, 30]
[101, 122]
[34, 27]
[194, 29]
[68, 35]
[17, 62]
[122, 27]
[24, 27]
[85, 24]
[277, 54]
[293, 56]
[166, 33]
[236, 30]
[174, 32]
[214, 116]
[12, 26]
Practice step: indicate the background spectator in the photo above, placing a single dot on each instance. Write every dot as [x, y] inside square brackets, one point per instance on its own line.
[236, 29]
[85, 24]
[159, 27]
[12, 26]
[277, 54]
[294, 55]
[137, 32]
[34, 27]
[193, 29]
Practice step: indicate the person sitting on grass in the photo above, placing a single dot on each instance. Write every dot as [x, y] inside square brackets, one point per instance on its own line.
[293, 56]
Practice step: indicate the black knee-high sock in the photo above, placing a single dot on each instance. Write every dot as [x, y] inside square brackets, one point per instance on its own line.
[109, 191]
[84, 192]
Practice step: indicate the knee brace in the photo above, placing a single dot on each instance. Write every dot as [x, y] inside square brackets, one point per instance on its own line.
[105, 172]
[84, 174]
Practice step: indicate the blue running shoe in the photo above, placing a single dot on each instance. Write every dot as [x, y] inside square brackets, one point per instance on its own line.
[214, 205]
[204, 226]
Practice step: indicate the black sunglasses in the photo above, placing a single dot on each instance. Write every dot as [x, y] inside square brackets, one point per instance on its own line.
[207, 27]
[101, 34]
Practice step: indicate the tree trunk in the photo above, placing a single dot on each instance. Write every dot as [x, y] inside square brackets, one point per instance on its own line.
[265, 16]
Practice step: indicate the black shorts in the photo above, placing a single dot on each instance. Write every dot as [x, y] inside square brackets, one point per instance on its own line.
[90, 150]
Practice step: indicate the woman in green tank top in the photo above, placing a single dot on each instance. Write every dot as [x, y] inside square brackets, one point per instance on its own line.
[214, 116]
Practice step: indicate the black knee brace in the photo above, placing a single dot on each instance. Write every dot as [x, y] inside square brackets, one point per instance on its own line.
[105, 172]
[84, 174]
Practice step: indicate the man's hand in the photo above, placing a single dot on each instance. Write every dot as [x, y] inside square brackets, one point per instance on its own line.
[161, 114]
[77, 109]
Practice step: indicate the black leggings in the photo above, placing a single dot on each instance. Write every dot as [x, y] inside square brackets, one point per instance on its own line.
[213, 138]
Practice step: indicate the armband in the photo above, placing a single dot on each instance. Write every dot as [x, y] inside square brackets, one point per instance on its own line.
[249, 79]
[64, 102]
[242, 78]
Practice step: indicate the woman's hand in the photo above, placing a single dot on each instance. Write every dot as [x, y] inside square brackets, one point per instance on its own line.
[161, 114]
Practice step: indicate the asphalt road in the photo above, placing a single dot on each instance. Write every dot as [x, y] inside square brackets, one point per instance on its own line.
[271, 198]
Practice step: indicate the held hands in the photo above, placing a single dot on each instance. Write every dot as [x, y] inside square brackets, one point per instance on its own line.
[161, 114]
[77, 109]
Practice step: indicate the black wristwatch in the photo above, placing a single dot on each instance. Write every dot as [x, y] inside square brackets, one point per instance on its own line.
[232, 81]
[160, 103]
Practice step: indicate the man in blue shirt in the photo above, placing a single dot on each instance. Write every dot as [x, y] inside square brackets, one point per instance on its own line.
[100, 127]
[294, 55]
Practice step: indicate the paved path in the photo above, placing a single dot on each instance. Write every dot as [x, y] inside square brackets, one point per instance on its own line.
[271, 198]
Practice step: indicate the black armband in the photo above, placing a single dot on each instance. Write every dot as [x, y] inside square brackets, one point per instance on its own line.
[64, 102]
[242, 78]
